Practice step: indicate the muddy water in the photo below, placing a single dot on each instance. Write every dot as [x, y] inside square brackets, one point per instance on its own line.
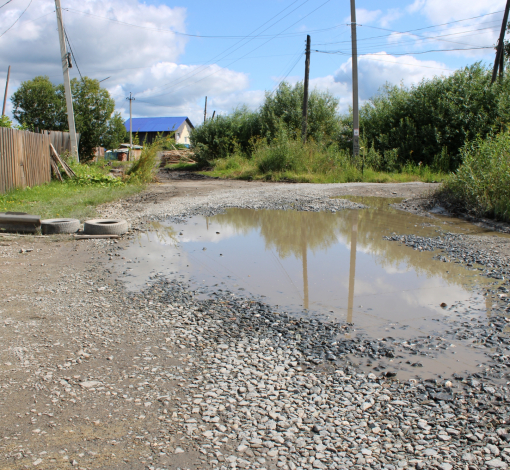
[336, 265]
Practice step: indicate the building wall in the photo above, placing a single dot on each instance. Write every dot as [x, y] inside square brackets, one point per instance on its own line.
[183, 134]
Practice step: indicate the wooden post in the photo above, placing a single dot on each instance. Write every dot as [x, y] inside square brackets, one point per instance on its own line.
[501, 45]
[355, 104]
[131, 99]
[205, 110]
[305, 94]
[6, 88]
[213, 114]
[66, 63]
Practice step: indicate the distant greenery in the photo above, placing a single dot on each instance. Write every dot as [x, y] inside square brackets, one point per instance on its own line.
[431, 122]
[5, 122]
[39, 104]
[482, 183]
[419, 130]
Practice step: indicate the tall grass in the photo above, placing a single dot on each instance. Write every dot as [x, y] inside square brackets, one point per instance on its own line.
[482, 183]
[288, 159]
[144, 169]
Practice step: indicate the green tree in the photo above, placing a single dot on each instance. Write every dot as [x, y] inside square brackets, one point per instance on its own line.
[40, 104]
[93, 108]
[115, 132]
[286, 104]
[5, 122]
[435, 117]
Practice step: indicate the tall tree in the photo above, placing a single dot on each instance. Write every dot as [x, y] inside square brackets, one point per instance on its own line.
[93, 108]
[40, 104]
[115, 133]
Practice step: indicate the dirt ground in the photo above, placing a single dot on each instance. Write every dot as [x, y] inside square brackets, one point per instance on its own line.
[68, 355]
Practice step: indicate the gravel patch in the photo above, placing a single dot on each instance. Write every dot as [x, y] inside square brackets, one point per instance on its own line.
[158, 379]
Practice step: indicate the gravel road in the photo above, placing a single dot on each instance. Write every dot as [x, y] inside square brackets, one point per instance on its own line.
[94, 377]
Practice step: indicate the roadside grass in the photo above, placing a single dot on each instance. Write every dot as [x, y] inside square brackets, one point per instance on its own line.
[69, 200]
[237, 167]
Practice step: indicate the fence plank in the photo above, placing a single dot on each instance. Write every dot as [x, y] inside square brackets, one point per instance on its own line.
[24, 159]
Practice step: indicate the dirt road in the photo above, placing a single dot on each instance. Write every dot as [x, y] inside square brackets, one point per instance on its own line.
[93, 377]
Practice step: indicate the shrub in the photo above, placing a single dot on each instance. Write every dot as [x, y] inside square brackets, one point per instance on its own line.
[482, 183]
[431, 122]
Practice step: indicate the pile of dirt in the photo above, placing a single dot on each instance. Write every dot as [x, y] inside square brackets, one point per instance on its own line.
[172, 157]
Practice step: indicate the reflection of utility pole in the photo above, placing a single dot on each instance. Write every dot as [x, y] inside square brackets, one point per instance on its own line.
[207, 222]
[352, 267]
[305, 264]
[488, 305]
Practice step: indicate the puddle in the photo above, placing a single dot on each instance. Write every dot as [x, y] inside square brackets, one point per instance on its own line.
[334, 265]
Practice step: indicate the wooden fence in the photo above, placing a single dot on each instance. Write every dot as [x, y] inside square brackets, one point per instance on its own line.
[24, 159]
[60, 140]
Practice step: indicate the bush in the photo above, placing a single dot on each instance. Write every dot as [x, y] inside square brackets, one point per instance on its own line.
[431, 122]
[237, 132]
[482, 183]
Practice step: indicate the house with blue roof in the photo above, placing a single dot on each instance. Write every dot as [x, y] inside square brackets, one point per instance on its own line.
[149, 128]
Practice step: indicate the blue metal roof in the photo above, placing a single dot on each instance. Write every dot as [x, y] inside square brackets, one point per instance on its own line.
[156, 124]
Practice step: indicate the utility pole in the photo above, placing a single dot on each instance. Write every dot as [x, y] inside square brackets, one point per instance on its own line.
[6, 87]
[355, 110]
[499, 60]
[305, 95]
[66, 65]
[131, 98]
[213, 114]
[205, 110]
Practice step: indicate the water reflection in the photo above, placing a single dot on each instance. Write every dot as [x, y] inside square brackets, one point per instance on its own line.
[335, 264]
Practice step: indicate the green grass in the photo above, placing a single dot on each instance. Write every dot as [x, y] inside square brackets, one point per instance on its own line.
[56, 199]
[237, 167]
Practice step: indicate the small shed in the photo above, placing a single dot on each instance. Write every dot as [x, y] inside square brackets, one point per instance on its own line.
[136, 151]
[149, 128]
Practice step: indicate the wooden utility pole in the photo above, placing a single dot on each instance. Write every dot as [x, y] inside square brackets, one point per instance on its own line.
[355, 110]
[213, 114]
[305, 95]
[131, 98]
[500, 53]
[66, 65]
[205, 110]
[6, 88]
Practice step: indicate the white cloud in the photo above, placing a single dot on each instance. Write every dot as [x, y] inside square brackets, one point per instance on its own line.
[441, 11]
[139, 60]
[373, 72]
[365, 16]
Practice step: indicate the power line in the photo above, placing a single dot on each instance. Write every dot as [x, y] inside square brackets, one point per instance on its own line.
[224, 55]
[412, 53]
[8, 1]
[253, 50]
[123, 23]
[72, 53]
[30, 3]
[393, 62]
[412, 30]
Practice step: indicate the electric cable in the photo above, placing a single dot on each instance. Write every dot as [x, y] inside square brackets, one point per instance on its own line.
[253, 50]
[224, 55]
[19, 17]
[72, 53]
[8, 1]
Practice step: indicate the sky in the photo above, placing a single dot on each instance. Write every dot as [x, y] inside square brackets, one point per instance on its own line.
[171, 54]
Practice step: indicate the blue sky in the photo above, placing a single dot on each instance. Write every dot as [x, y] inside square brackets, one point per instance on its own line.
[243, 48]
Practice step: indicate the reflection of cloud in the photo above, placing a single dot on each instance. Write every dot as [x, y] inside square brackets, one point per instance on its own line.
[200, 233]
[433, 291]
